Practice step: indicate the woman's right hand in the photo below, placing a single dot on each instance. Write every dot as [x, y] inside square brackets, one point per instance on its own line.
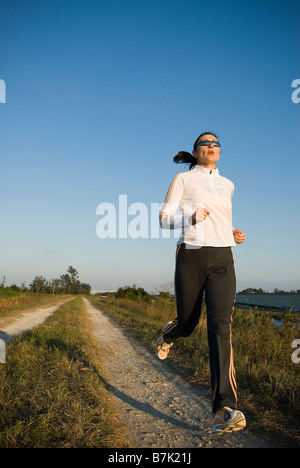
[200, 215]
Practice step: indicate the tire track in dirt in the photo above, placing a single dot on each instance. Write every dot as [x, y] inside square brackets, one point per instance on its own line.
[160, 409]
[28, 321]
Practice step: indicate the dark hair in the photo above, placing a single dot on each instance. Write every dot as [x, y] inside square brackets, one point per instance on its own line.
[187, 158]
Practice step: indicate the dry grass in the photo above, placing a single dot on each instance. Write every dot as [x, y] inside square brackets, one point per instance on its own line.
[13, 306]
[52, 392]
[268, 380]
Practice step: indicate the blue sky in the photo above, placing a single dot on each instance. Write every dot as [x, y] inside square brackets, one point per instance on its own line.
[100, 95]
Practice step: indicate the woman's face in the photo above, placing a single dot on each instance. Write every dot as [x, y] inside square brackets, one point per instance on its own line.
[207, 156]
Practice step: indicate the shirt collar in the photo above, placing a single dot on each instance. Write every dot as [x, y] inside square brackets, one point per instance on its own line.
[205, 170]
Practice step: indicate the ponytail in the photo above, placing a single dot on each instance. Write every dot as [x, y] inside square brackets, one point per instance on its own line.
[185, 158]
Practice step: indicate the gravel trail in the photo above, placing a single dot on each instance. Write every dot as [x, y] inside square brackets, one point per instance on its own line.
[160, 408]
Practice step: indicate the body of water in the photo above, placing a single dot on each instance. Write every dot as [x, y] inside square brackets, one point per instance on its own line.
[283, 301]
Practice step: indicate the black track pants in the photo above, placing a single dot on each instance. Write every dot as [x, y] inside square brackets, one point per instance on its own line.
[210, 270]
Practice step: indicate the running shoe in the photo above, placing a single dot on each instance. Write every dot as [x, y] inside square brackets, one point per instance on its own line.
[227, 420]
[162, 348]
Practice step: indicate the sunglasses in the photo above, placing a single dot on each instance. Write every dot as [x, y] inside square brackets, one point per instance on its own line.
[207, 143]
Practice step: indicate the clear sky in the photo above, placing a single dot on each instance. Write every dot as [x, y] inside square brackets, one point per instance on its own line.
[100, 95]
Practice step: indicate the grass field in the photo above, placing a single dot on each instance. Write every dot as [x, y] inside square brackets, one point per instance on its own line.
[52, 393]
[51, 389]
[268, 380]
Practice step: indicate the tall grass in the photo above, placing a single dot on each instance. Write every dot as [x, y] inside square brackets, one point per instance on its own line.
[52, 387]
[268, 380]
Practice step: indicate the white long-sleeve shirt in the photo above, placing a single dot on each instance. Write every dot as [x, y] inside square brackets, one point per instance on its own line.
[200, 187]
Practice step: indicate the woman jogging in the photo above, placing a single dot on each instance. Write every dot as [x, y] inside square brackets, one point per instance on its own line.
[199, 202]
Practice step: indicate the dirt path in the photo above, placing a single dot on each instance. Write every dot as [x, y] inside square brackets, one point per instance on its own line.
[160, 409]
[27, 321]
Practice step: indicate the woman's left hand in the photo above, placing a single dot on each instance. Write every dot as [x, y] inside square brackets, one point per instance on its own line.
[239, 236]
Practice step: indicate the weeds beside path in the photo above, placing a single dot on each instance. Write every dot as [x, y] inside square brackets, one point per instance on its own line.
[160, 407]
[268, 380]
[80, 381]
[26, 321]
[51, 388]
[15, 306]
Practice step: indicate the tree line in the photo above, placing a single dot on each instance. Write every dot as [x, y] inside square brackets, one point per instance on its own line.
[67, 283]
[262, 291]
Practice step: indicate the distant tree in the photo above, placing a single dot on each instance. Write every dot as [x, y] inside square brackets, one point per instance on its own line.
[38, 284]
[253, 290]
[67, 283]
[165, 295]
[73, 275]
[133, 293]
[54, 285]
[165, 287]
[85, 288]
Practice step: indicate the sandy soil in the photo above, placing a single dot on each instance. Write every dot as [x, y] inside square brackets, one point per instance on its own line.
[160, 408]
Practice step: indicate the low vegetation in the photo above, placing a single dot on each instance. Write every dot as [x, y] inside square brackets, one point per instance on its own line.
[268, 379]
[12, 302]
[52, 387]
